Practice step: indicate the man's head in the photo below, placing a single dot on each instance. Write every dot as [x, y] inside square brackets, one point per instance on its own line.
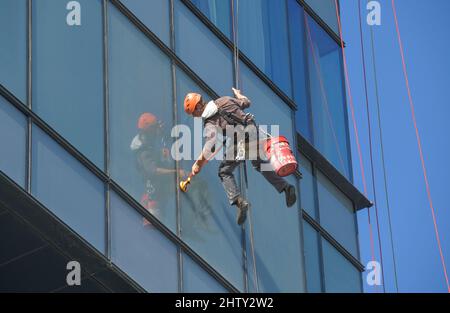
[146, 121]
[193, 104]
[149, 126]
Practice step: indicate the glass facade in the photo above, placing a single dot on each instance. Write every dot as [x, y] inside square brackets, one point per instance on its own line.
[218, 12]
[13, 47]
[337, 214]
[68, 189]
[13, 133]
[108, 99]
[140, 250]
[140, 83]
[154, 14]
[202, 50]
[67, 78]
[263, 37]
[340, 275]
[326, 9]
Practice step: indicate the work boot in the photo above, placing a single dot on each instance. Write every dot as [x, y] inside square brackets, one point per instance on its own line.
[242, 206]
[291, 197]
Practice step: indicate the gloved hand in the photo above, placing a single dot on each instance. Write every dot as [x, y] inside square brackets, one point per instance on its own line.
[196, 168]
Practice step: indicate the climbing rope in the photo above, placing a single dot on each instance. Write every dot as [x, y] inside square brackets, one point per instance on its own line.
[235, 26]
[355, 127]
[383, 163]
[369, 127]
[419, 143]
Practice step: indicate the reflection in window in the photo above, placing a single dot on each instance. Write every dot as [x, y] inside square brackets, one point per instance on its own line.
[68, 73]
[13, 48]
[327, 97]
[263, 37]
[197, 280]
[337, 215]
[340, 274]
[143, 252]
[154, 14]
[141, 118]
[299, 74]
[203, 51]
[312, 258]
[68, 189]
[13, 132]
[207, 220]
[218, 12]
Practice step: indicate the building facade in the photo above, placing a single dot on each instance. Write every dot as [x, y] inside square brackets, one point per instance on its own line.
[75, 77]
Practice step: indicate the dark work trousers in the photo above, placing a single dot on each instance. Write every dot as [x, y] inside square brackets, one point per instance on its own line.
[227, 167]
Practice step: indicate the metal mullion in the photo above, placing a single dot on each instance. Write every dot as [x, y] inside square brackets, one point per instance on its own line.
[327, 236]
[316, 17]
[177, 163]
[317, 213]
[106, 151]
[29, 97]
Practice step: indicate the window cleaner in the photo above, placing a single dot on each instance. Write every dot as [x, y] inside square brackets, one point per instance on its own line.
[229, 111]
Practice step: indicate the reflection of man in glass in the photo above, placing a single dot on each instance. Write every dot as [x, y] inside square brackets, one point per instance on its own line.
[154, 163]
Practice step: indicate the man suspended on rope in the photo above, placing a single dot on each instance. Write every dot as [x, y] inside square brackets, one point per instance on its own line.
[217, 115]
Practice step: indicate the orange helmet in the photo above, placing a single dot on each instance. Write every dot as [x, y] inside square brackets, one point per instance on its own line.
[191, 101]
[146, 120]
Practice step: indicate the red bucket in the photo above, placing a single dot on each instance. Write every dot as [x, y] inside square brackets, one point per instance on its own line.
[280, 155]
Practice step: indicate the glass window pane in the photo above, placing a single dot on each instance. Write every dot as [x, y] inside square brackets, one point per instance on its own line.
[326, 9]
[208, 221]
[327, 97]
[340, 274]
[218, 12]
[68, 73]
[142, 251]
[299, 76]
[203, 51]
[154, 14]
[68, 189]
[277, 244]
[13, 50]
[270, 213]
[312, 258]
[13, 133]
[307, 193]
[140, 86]
[267, 107]
[197, 280]
[337, 215]
[263, 37]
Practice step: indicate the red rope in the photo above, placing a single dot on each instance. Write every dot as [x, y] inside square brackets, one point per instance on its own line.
[355, 127]
[419, 143]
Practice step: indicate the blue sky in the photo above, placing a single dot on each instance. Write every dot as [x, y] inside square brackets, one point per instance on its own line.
[424, 27]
